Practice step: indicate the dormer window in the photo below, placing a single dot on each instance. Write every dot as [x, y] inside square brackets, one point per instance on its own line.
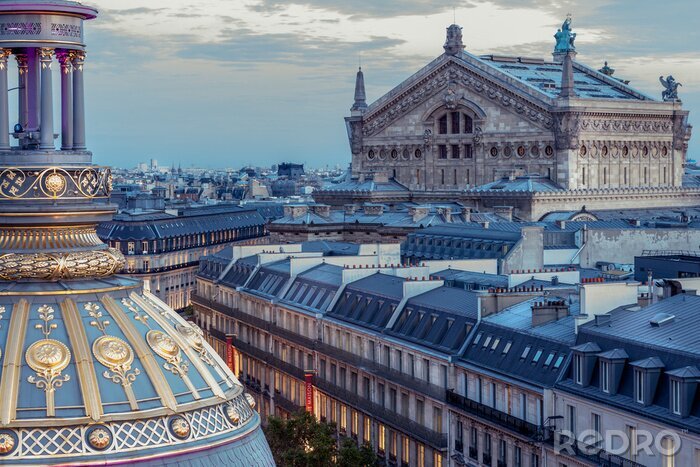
[676, 396]
[639, 386]
[605, 376]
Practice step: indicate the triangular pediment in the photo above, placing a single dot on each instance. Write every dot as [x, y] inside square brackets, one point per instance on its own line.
[458, 78]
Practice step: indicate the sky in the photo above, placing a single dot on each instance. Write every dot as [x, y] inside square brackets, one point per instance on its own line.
[227, 83]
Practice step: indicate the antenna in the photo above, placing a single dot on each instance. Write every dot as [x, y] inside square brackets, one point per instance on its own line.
[359, 59]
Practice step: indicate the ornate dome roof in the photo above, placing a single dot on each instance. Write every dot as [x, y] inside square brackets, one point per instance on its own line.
[93, 368]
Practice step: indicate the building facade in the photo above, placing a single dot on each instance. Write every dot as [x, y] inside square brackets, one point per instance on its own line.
[163, 248]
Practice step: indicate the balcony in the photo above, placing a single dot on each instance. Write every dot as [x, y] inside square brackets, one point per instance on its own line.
[596, 455]
[384, 415]
[486, 458]
[489, 413]
[473, 453]
[428, 389]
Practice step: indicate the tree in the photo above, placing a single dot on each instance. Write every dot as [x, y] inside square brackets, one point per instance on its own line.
[302, 441]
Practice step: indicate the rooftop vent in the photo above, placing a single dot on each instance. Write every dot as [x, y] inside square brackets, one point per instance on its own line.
[661, 319]
[603, 320]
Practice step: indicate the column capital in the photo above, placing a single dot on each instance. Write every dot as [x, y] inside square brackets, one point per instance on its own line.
[22, 62]
[78, 59]
[45, 56]
[65, 59]
[4, 54]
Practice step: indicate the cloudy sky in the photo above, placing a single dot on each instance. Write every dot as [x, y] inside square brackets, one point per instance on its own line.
[223, 83]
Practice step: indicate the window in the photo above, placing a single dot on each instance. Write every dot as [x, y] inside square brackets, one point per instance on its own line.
[487, 342]
[442, 151]
[549, 359]
[537, 356]
[468, 151]
[639, 386]
[437, 419]
[507, 347]
[442, 125]
[597, 429]
[571, 419]
[605, 376]
[517, 456]
[578, 369]
[534, 460]
[525, 352]
[455, 151]
[523, 406]
[468, 124]
[454, 116]
[560, 360]
[405, 450]
[381, 447]
[130, 248]
[496, 341]
[501, 451]
[420, 411]
[676, 396]
[420, 454]
[367, 429]
[477, 339]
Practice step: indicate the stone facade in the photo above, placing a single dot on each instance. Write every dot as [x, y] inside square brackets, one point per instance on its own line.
[464, 121]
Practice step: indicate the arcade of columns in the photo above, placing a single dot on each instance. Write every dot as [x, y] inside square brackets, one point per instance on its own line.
[36, 97]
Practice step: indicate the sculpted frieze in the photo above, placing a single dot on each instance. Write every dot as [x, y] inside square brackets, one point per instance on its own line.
[448, 78]
[625, 125]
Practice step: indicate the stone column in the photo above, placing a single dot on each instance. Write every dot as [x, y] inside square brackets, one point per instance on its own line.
[64, 59]
[78, 101]
[33, 88]
[23, 104]
[46, 127]
[4, 110]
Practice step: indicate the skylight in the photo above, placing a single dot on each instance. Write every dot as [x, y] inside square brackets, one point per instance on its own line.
[495, 343]
[525, 352]
[559, 361]
[507, 347]
[487, 341]
[549, 359]
[537, 356]
[477, 338]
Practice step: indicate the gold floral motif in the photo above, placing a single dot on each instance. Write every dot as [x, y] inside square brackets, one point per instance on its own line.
[7, 443]
[113, 353]
[180, 427]
[100, 438]
[56, 184]
[165, 347]
[54, 266]
[48, 358]
[141, 318]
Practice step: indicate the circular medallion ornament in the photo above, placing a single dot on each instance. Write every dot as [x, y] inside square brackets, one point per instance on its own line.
[162, 344]
[55, 183]
[48, 355]
[507, 151]
[8, 442]
[233, 415]
[180, 427]
[250, 399]
[112, 352]
[99, 437]
[192, 336]
[494, 151]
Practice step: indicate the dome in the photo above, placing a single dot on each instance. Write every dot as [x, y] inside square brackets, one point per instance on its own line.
[94, 369]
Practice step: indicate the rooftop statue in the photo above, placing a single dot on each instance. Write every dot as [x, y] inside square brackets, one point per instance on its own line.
[670, 92]
[565, 37]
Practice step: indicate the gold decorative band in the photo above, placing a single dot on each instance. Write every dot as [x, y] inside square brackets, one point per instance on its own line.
[54, 266]
[55, 182]
[48, 238]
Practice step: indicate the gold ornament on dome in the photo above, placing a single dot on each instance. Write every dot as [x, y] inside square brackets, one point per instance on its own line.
[48, 358]
[55, 184]
[250, 399]
[165, 347]
[113, 353]
[233, 414]
[55, 266]
[7, 443]
[100, 438]
[180, 427]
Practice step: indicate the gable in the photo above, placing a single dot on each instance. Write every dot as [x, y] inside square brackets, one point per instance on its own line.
[448, 72]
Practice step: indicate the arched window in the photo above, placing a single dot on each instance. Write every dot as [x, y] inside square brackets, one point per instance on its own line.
[468, 124]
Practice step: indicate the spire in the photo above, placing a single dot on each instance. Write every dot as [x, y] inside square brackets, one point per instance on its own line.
[567, 77]
[360, 104]
[453, 42]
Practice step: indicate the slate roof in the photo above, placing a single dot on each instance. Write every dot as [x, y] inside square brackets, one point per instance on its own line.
[527, 183]
[315, 288]
[270, 278]
[369, 302]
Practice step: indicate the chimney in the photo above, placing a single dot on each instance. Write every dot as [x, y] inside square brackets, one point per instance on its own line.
[418, 212]
[467, 213]
[561, 224]
[374, 209]
[504, 211]
[350, 209]
[484, 224]
[322, 210]
[446, 213]
[295, 210]
[548, 311]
